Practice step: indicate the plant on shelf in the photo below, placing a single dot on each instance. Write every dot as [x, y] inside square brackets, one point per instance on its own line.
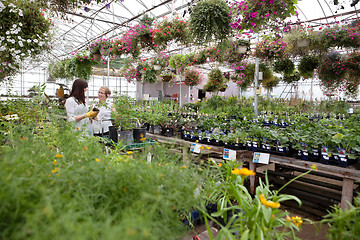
[27, 34]
[270, 50]
[216, 81]
[192, 77]
[170, 29]
[210, 20]
[124, 113]
[255, 15]
[307, 66]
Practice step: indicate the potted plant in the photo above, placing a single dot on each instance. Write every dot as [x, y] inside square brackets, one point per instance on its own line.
[284, 65]
[307, 66]
[332, 70]
[130, 73]
[167, 76]
[160, 61]
[216, 81]
[170, 29]
[192, 77]
[270, 50]
[100, 47]
[210, 20]
[242, 45]
[254, 15]
[28, 34]
[80, 66]
[149, 74]
[300, 41]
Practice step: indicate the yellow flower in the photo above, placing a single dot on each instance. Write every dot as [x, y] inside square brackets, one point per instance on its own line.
[59, 155]
[202, 147]
[220, 165]
[243, 172]
[55, 162]
[184, 166]
[288, 218]
[84, 148]
[98, 160]
[55, 170]
[197, 141]
[297, 221]
[268, 203]
[314, 167]
[142, 139]
[129, 152]
[159, 165]
[208, 148]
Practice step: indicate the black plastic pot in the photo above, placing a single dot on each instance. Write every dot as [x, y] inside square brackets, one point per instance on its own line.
[138, 134]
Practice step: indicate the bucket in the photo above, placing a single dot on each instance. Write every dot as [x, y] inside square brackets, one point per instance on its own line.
[138, 134]
[113, 134]
[125, 137]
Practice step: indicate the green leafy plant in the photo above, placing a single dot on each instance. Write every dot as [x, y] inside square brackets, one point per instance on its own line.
[307, 66]
[343, 223]
[285, 66]
[216, 81]
[209, 20]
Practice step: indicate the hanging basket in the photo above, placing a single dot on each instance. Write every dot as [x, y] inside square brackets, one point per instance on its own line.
[303, 42]
[97, 56]
[241, 49]
[157, 67]
[166, 78]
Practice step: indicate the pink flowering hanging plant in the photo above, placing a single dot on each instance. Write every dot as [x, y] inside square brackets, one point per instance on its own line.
[256, 15]
[270, 50]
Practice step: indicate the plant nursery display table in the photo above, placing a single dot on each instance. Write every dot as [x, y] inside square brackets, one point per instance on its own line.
[323, 179]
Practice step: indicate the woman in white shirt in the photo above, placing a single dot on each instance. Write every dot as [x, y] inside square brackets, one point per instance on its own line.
[76, 108]
[102, 123]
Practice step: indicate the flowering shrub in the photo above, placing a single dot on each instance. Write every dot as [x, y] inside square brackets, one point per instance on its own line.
[167, 30]
[270, 50]
[192, 77]
[26, 35]
[255, 15]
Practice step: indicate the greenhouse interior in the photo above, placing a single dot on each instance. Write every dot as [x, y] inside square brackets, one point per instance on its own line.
[179, 119]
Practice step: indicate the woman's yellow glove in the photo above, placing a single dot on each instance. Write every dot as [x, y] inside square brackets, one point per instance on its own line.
[92, 114]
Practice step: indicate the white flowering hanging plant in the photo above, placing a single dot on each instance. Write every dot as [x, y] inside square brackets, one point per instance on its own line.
[27, 34]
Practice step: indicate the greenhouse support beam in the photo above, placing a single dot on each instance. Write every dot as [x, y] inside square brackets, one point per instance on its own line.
[256, 77]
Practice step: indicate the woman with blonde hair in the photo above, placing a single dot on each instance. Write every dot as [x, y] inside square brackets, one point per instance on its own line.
[103, 121]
